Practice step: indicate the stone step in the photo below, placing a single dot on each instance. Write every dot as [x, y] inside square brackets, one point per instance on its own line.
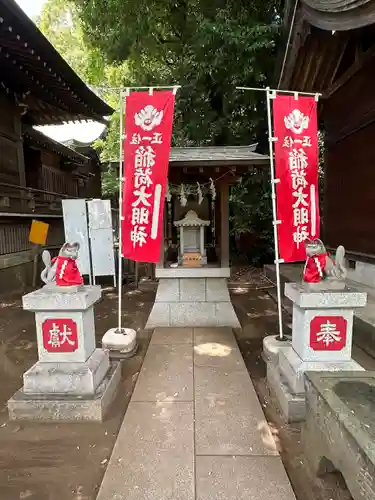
[192, 302]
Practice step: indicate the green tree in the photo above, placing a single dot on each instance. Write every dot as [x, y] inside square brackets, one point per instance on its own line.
[207, 46]
[60, 23]
[251, 214]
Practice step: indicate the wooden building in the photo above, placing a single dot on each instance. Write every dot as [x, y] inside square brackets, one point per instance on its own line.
[331, 49]
[37, 87]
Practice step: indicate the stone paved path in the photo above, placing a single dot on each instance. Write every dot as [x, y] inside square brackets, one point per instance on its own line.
[194, 429]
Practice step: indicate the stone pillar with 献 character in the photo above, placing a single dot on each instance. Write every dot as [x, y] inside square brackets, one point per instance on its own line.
[322, 330]
[72, 379]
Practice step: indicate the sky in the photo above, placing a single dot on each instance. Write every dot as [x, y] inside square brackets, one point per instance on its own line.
[31, 7]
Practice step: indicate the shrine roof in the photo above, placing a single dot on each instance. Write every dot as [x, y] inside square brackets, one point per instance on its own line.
[216, 156]
[338, 14]
[191, 219]
[318, 33]
[38, 77]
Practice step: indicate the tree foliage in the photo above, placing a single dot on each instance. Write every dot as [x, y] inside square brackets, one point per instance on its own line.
[207, 46]
[251, 214]
[60, 23]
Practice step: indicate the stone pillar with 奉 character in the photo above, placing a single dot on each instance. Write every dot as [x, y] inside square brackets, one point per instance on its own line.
[322, 329]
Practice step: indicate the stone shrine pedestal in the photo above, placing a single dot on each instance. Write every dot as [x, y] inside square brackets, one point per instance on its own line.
[193, 297]
[72, 380]
[322, 340]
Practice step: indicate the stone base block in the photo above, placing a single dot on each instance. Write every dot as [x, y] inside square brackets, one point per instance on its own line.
[293, 406]
[272, 347]
[67, 378]
[328, 299]
[53, 300]
[52, 287]
[192, 290]
[293, 368]
[199, 301]
[67, 408]
[124, 344]
[193, 314]
[339, 431]
[217, 290]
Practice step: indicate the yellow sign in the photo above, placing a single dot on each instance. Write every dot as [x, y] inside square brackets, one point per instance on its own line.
[38, 232]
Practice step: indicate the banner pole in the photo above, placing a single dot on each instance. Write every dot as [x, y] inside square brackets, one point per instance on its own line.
[270, 94]
[120, 176]
[281, 91]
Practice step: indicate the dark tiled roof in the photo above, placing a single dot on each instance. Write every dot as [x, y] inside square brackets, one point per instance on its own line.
[217, 155]
[33, 70]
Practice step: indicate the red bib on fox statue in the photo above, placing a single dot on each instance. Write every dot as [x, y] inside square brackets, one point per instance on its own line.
[67, 272]
[314, 268]
[320, 265]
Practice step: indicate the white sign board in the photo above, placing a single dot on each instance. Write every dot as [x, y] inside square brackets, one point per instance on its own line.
[75, 225]
[101, 237]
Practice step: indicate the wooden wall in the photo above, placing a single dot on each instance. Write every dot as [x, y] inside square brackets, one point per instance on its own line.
[11, 152]
[349, 199]
[14, 234]
[22, 163]
[54, 178]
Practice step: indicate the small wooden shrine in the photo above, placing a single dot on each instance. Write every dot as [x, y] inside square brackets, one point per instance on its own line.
[194, 264]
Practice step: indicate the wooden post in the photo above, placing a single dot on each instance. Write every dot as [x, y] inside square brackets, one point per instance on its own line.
[203, 253]
[36, 251]
[136, 277]
[217, 226]
[181, 242]
[160, 264]
[224, 224]
[170, 221]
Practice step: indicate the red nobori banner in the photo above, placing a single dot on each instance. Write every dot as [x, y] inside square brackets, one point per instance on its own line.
[148, 131]
[296, 165]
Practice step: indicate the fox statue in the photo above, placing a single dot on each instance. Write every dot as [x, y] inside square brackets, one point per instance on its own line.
[320, 265]
[63, 269]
